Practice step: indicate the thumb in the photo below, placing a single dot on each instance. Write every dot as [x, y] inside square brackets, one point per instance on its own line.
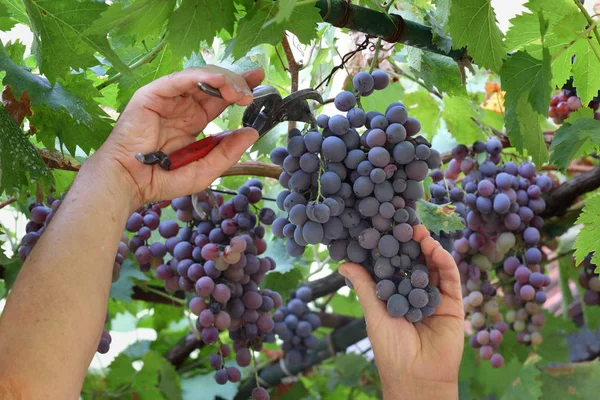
[361, 280]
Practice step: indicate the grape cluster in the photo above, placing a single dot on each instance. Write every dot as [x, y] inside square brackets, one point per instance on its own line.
[294, 324]
[590, 281]
[357, 192]
[566, 102]
[143, 222]
[584, 345]
[105, 339]
[502, 235]
[215, 256]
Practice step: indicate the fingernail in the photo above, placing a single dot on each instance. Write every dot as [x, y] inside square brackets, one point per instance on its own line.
[247, 92]
[238, 89]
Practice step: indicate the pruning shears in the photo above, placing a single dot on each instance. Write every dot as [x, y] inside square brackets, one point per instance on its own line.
[266, 111]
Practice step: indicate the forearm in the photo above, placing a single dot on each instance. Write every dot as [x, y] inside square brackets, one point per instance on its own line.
[399, 389]
[55, 312]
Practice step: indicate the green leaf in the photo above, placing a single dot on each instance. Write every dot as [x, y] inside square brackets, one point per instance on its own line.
[170, 385]
[555, 347]
[443, 73]
[162, 65]
[147, 377]
[571, 381]
[380, 99]
[17, 10]
[60, 43]
[283, 283]
[207, 387]
[588, 239]
[346, 305]
[350, 368]
[286, 9]
[66, 110]
[472, 23]
[439, 218]
[6, 20]
[252, 31]
[586, 70]
[197, 21]
[138, 349]
[494, 381]
[142, 18]
[527, 83]
[123, 288]
[425, 108]
[120, 372]
[527, 386]
[20, 163]
[574, 139]
[16, 52]
[458, 114]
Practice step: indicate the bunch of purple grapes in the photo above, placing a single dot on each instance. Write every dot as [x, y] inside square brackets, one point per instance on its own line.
[215, 256]
[502, 236]
[40, 217]
[294, 324]
[567, 102]
[590, 281]
[355, 190]
[143, 222]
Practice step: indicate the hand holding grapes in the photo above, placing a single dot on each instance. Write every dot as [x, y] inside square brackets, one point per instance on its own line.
[422, 359]
[167, 115]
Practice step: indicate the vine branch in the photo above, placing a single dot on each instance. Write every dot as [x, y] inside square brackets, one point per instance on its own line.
[293, 68]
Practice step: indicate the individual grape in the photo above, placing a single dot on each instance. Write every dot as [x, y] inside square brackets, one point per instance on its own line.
[395, 133]
[313, 141]
[323, 121]
[260, 393]
[418, 298]
[397, 306]
[404, 152]
[397, 115]
[412, 125]
[312, 232]
[497, 360]
[339, 125]
[419, 279]
[296, 146]
[385, 289]
[333, 149]
[531, 236]
[278, 155]
[376, 137]
[388, 246]
[309, 162]
[344, 101]
[417, 170]
[168, 229]
[363, 82]
[403, 232]
[380, 79]
[414, 315]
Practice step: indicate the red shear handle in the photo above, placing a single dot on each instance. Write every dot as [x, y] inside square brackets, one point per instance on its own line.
[194, 151]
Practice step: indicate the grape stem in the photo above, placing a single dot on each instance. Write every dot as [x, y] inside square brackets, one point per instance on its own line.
[375, 61]
[162, 294]
[557, 257]
[234, 193]
[148, 58]
[590, 21]
[7, 202]
[399, 72]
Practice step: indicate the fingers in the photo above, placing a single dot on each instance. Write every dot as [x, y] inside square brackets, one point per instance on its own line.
[232, 86]
[198, 175]
[373, 308]
[254, 77]
[420, 233]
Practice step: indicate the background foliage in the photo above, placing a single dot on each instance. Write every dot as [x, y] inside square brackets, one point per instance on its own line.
[88, 57]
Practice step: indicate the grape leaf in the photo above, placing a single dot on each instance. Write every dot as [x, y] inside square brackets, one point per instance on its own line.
[123, 288]
[555, 347]
[458, 114]
[571, 381]
[588, 239]
[141, 18]
[16, 52]
[527, 83]
[575, 139]
[526, 386]
[20, 164]
[195, 21]
[286, 9]
[17, 10]
[472, 23]
[346, 305]
[160, 66]
[206, 385]
[169, 384]
[443, 73]
[439, 218]
[252, 31]
[350, 368]
[60, 43]
[422, 105]
[6, 20]
[586, 69]
[121, 372]
[494, 381]
[380, 99]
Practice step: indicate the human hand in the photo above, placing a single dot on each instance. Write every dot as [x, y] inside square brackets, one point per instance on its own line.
[416, 360]
[167, 115]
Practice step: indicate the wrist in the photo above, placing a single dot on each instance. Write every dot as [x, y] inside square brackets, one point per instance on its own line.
[106, 177]
[415, 389]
